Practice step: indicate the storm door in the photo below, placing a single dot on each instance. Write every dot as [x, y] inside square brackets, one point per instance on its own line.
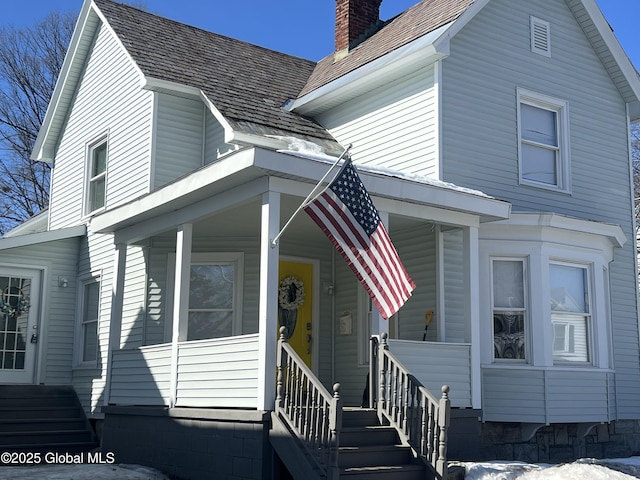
[19, 290]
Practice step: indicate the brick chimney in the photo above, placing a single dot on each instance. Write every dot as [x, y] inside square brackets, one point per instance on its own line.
[354, 19]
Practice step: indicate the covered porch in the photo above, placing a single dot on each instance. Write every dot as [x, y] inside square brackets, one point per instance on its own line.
[174, 343]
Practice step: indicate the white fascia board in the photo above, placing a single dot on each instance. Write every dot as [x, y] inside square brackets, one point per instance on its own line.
[554, 220]
[223, 168]
[423, 46]
[620, 56]
[42, 237]
[398, 195]
[45, 145]
[44, 148]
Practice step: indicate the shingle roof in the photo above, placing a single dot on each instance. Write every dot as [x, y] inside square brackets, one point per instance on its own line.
[248, 84]
[422, 18]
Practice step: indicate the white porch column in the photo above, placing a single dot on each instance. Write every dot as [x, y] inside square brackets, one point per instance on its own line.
[472, 308]
[268, 308]
[115, 324]
[184, 237]
[378, 324]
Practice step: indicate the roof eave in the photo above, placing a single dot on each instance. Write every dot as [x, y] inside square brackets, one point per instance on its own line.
[424, 48]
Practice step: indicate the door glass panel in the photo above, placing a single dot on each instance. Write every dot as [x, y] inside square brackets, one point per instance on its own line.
[14, 306]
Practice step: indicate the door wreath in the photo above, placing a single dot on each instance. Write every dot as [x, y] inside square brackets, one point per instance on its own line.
[290, 299]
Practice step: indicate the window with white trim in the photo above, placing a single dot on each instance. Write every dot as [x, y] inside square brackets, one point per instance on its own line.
[509, 305]
[215, 296]
[570, 312]
[96, 188]
[543, 141]
[89, 315]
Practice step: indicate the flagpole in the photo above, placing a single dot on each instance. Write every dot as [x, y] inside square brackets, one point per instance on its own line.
[274, 242]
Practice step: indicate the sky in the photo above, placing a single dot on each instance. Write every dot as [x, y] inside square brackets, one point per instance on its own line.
[299, 27]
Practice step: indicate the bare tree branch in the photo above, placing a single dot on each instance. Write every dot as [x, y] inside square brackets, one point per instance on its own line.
[30, 60]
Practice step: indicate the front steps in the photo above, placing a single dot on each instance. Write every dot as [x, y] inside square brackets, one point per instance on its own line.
[369, 450]
[40, 418]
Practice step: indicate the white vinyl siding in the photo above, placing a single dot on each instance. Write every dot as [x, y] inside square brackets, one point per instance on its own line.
[453, 291]
[392, 126]
[453, 362]
[479, 126]
[57, 259]
[547, 396]
[108, 99]
[179, 138]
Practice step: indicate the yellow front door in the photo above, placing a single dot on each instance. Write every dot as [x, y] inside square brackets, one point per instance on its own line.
[295, 302]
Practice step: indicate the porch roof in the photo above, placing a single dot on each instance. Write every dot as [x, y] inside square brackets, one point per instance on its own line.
[248, 173]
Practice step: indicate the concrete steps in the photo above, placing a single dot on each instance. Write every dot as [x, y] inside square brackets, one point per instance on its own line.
[43, 418]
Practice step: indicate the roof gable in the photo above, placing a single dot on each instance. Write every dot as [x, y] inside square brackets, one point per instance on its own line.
[442, 19]
[246, 83]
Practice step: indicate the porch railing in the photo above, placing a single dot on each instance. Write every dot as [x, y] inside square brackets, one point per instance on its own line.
[420, 417]
[312, 413]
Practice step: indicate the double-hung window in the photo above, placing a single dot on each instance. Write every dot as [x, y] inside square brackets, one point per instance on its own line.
[570, 312]
[215, 296]
[509, 309]
[89, 314]
[544, 145]
[96, 187]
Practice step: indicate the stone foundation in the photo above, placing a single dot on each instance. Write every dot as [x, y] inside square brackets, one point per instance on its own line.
[471, 440]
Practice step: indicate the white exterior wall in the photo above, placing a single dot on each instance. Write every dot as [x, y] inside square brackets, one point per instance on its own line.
[109, 101]
[393, 126]
[489, 59]
[56, 323]
[178, 138]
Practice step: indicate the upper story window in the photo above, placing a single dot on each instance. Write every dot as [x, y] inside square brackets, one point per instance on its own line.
[96, 188]
[543, 141]
[509, 309]
[570, 312]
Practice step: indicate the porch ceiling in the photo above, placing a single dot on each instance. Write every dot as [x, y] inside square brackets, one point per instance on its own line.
[239, 179]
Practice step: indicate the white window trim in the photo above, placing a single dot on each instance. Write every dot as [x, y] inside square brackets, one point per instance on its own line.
[574, 241]
[561, 108]
[203, 259]
[537, 25]
[89, 149]
[592, 340]
[78, 350]
[527, 306]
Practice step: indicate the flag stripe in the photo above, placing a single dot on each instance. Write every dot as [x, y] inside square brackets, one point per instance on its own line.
[361, 265]
[345, 213]
[368, 249]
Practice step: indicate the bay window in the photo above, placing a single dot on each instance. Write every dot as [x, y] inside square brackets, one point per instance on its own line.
[509, 309]
[570, 312]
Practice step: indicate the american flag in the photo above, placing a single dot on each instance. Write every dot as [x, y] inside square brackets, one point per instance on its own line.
[345, 213]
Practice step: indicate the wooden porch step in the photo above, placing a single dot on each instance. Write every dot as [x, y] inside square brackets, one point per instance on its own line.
[389, 472]
[375, 455]
[369, 435]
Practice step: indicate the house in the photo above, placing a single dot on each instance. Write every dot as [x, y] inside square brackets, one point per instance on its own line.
[493, 137]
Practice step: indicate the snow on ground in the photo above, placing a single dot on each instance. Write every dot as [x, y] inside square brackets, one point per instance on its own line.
[81, 472]
[584, 469]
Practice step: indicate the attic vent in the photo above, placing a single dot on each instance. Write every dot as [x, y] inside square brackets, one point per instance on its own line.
[540, 37]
